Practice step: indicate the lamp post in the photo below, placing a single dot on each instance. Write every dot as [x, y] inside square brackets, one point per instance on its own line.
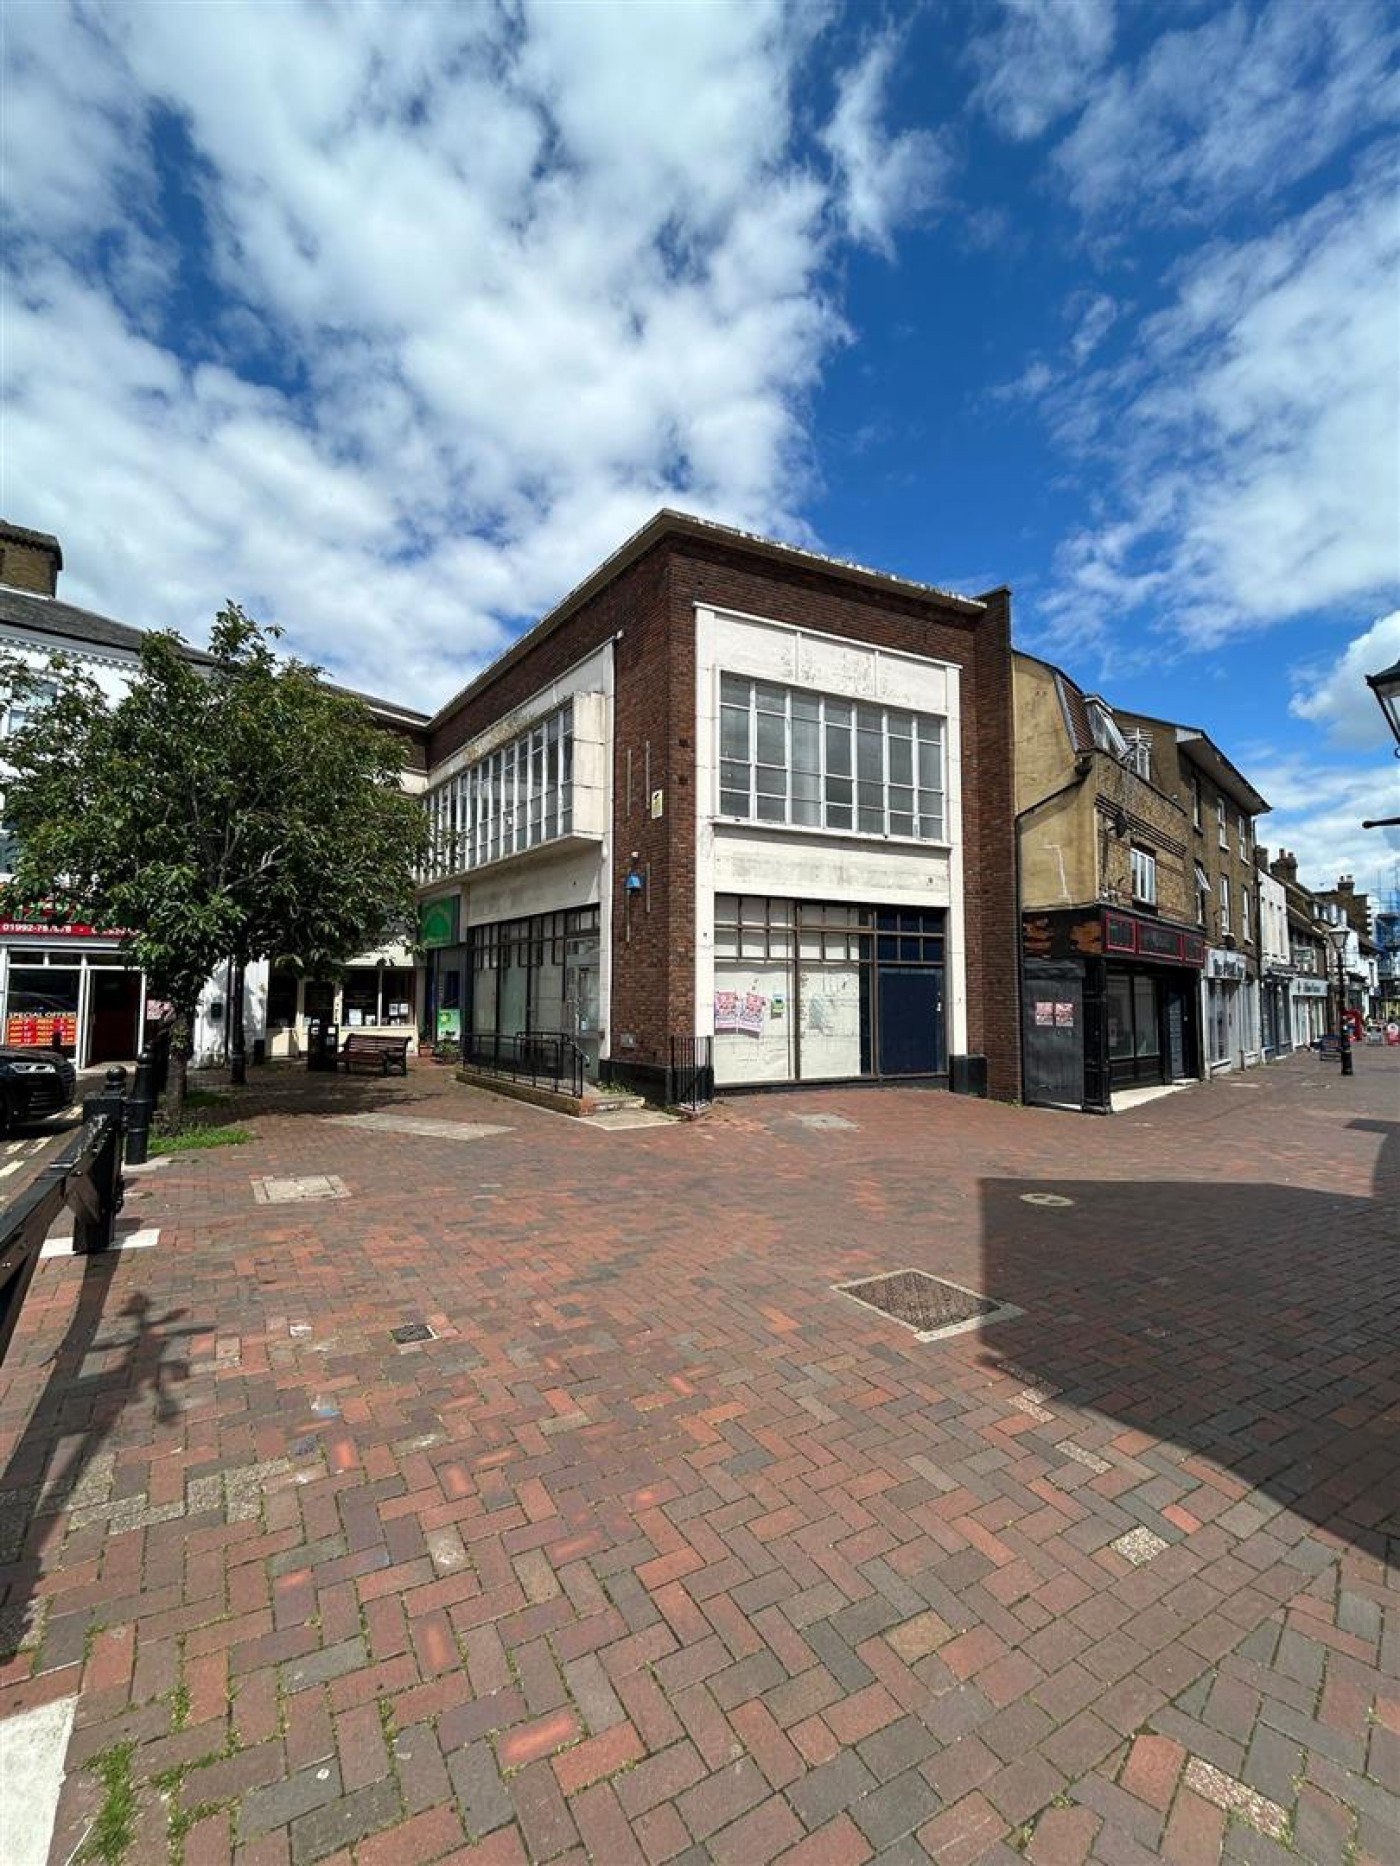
[1386, 687]
[1337, 940]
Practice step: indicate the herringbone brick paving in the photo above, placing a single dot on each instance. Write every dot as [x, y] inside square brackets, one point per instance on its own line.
[661, 1550]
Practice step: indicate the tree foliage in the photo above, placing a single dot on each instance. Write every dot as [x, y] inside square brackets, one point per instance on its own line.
[227, 806]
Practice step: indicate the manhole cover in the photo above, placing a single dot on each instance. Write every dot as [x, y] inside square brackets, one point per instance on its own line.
[412, 1331]
[296, 1187]
[920, 1301]
[1045, 1198]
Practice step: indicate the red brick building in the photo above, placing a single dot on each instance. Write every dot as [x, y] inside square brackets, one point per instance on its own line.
[731, 789]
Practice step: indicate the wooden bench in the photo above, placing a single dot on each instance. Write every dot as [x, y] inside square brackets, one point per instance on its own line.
[378, 1055]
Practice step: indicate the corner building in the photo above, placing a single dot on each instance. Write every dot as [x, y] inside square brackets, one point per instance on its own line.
[733, 790]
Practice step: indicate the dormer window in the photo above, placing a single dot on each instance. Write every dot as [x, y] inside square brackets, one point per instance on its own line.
[1105, 729]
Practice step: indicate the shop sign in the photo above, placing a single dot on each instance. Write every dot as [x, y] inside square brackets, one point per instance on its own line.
[438, 921]
[1118, 933]
[1221, 964]
[1158, 942]
[13, 929]
[1309, 988]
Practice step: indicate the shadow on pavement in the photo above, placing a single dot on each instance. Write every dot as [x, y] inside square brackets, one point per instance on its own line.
[95, 1376]
[1255, 1325]
[290, 1088]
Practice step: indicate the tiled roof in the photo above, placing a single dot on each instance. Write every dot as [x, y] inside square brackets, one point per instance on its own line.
[79, 628]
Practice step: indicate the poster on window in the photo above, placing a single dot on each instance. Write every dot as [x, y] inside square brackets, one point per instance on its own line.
[751, 1013]
[1044, 1012]
[726, 1013]
[1064, 1016]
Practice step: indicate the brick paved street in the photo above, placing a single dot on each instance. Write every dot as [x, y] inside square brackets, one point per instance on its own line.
[663, 1550]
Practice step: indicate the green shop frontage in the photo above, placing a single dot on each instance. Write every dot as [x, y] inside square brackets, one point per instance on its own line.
[537, 975]
[1109, 1000]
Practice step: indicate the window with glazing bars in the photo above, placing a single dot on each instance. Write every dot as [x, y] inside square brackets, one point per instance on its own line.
[818, 762]
[516, 797]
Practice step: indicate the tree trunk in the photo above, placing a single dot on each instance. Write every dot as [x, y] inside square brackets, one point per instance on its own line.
[238, 1054]
[181, 1043]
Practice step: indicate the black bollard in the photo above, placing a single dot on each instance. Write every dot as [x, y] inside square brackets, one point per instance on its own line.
[140, 1109]
[94, 1223]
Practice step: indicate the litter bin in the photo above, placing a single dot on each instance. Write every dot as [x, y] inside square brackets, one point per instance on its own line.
[322, 1046]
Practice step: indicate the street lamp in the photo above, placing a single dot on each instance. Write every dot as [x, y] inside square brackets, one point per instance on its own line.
[1337, 940]
[1386, 687]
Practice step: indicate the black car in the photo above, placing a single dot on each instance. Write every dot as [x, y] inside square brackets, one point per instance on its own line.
[33, 1083]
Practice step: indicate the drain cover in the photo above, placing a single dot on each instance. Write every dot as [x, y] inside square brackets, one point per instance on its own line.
[413, 1331]
[920, 1301]
[1045, 1198]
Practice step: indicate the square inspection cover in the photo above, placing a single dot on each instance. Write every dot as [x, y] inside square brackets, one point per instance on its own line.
[930, 1305]
[412, 1331]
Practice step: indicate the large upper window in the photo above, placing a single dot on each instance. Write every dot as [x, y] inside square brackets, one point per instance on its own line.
[1144, 877]
[517, 796]
[823, 763]
[1224, 904]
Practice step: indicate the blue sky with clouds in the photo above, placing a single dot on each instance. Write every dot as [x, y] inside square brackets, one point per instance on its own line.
[391, 321]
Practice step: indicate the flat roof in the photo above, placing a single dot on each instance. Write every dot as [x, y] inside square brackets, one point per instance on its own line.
[671, 523]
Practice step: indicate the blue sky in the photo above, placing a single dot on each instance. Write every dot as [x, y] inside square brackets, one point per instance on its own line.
[391, 321]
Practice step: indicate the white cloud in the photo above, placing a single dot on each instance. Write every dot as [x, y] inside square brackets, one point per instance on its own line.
[1318, 810]
[1041, 61]
[886, 179]
[475, 291]
[1249, 449]
[1337, 698]
[1096, 319]
[1236, 106]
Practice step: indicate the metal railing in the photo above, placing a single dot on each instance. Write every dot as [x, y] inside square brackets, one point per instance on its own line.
[543, 1058]
[690, 1080]
[86, 1178]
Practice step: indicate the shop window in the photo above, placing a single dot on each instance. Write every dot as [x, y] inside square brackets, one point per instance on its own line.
[378, 994]
[815, 762]
[41, 1007]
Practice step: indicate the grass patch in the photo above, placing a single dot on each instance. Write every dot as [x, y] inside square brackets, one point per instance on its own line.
[194, 1139]
[114, 1828]
[206, 1098]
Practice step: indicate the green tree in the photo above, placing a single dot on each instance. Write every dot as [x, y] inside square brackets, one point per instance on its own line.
[226, 806]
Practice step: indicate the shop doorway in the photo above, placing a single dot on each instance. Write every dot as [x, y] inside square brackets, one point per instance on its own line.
[911, 1020]
[114, 1015]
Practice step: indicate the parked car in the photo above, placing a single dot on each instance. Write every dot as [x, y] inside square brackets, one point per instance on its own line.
[33, 1083]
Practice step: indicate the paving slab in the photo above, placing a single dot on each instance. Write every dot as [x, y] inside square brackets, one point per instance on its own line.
[536, 1497]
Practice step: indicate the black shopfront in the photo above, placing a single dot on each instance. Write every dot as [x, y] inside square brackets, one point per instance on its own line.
[1110, 999]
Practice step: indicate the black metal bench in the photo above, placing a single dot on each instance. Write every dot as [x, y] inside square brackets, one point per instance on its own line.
[362, 1053]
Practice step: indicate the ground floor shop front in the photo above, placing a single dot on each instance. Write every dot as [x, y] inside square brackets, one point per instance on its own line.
[818, 991]
[800, 991]
[538, 975]
[70, 989]
[1110, 1000]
